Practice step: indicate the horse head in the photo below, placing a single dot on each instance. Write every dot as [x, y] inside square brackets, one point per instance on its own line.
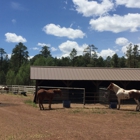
[110, 87]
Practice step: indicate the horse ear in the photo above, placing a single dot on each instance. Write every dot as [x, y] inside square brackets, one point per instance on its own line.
[111, 83]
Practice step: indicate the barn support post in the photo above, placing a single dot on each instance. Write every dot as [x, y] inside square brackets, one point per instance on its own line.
[36, 86]
[68, 83]
[84, 99]
[96, 83]
[36, 89]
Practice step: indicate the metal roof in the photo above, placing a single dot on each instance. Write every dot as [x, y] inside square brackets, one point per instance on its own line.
[84, 73]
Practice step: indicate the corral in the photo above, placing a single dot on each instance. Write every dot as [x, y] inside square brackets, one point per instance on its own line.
[89, 78]
[20, 120]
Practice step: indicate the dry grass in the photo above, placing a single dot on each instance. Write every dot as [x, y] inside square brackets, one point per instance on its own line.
[21, 120]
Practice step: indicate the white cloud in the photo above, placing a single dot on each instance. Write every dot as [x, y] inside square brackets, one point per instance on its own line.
[121, 41]
[9, 56]
[30, 57]
[93, 8]
[66, 2]
[56, 30]
[35, 48]
[116, 23]
[17, 6]
[43, 44]
[124, 48]
[12, 37]
[14, 21]
[106, 53]
[67, 47]
[53, 49]
[129, 3]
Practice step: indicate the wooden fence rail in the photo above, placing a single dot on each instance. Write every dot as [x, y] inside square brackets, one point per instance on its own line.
[21, 88]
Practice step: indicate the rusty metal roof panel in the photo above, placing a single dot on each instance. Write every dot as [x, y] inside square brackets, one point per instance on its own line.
[84, 73]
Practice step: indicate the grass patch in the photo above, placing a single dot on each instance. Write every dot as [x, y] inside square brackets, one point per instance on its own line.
[113, 112]
[98, 111]
[77, 111]
[133, 112]
[30, 102]
[93, 110]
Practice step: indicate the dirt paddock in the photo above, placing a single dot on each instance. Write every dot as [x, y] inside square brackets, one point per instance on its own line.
[20, 120]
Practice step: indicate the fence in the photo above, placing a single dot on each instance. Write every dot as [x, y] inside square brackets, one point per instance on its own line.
[106, 96]
[21, 88]
[74, 95]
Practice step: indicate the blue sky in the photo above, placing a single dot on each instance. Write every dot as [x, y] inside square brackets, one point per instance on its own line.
[66, 24]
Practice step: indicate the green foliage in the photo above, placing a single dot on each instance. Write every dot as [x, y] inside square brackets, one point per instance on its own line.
[10, 77]
[19, 56]
[100, 62]
[23, 75]
[2, 77]
[122, 62]
[50, 61]
[45, 52]
[4, 61]
[115, 61]
[129, 56]
[135, 56]
[72, 56]
[40, 61]
[108, 62]
[16, 70]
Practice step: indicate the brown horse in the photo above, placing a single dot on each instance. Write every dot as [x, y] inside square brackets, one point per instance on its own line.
[43, 94]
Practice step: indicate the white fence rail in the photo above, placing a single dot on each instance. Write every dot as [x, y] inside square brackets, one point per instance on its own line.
[21, 88]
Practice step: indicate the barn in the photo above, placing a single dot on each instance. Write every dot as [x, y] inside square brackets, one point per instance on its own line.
[84, 83]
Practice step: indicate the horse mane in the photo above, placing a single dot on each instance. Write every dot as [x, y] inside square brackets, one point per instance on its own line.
[57, 91]
[115, 85]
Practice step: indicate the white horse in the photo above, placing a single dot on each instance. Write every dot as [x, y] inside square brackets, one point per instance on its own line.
[125, 94]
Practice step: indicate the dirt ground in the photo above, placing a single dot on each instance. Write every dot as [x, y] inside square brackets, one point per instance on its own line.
[20, 120]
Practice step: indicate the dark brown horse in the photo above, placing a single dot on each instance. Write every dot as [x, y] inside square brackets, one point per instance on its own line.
[43, 94]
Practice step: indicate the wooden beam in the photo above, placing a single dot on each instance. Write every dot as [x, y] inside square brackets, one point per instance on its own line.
[67, 83]
[125, 83]
[97, 83]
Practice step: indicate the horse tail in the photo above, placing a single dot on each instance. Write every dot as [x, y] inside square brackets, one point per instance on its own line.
[35, 98]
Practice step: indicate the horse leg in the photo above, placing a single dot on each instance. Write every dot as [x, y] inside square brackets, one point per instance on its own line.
[119, 102]
[138, 105]
[50, 101]
[40, 105]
